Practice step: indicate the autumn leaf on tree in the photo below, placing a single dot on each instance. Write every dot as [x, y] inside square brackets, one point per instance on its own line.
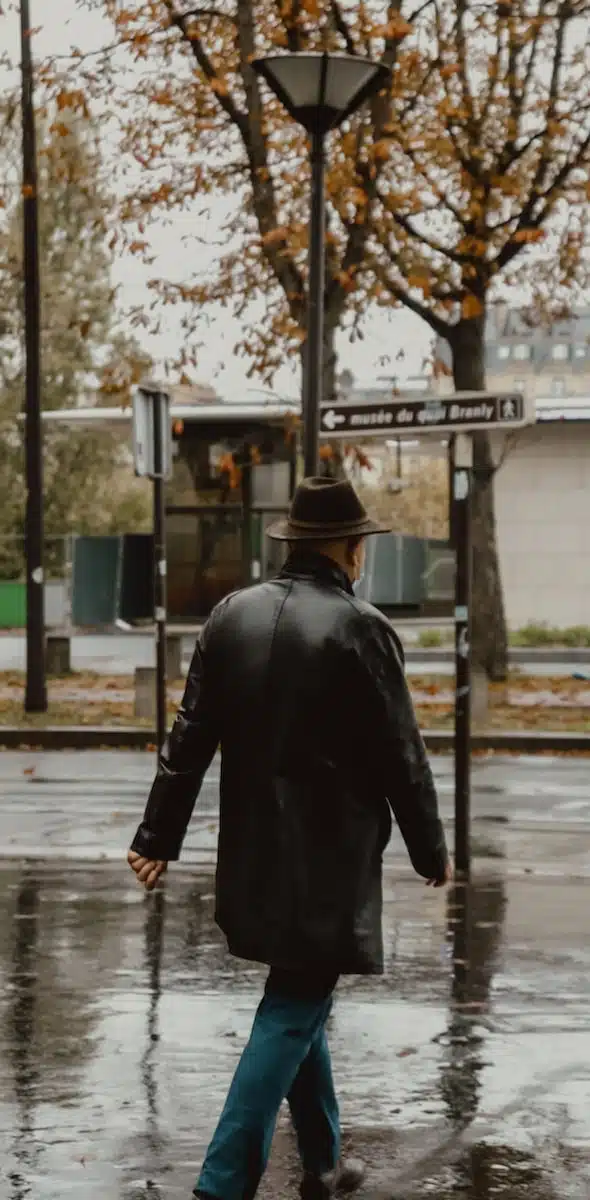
[471, 307]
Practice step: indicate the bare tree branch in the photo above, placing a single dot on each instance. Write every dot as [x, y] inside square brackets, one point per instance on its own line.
[528, 218]
[369, 172]
[264, 199]
[341, 26]
[460, 39]
[292, 25]
[553, 98]
[438, 247]
[225, 100]
[463, 158]
[249, 124]
[441, 328]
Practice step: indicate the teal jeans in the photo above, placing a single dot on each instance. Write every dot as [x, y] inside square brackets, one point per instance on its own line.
[286, 1056]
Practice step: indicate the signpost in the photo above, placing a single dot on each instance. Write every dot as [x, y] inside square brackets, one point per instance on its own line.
[152, 450]
[465, 411]
[460, 414]
[462, 473]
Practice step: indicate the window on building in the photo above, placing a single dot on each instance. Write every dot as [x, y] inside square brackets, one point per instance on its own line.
[580, 351]
[522, 352]
[559, 351]
[503, 351]
[558, 387]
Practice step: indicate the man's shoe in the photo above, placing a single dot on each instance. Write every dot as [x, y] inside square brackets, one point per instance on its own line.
[346, 1177]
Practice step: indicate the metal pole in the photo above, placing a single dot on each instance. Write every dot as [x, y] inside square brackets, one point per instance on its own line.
[35, 688]
[160, 572]
[462, 470]
[314, 347]
[246, 488]
[293, 456]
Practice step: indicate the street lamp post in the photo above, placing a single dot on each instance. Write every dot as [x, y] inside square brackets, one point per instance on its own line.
[320, 91]
[35, 688]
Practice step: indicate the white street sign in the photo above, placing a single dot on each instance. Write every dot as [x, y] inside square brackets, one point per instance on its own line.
[144, 399]
[461, 411]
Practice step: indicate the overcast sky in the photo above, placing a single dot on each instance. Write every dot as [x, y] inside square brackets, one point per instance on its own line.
[383, 334]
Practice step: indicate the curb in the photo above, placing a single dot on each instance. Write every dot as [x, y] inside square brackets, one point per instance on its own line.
[77, 737]
[510, 742]
[98, 737]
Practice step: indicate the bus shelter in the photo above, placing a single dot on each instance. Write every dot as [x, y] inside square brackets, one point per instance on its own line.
[233, 471]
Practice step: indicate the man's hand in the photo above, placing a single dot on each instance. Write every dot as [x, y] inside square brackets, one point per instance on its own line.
[448, 877]
[148, 870]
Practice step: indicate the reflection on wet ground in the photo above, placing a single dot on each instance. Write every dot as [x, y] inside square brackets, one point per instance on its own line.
[464, 1072]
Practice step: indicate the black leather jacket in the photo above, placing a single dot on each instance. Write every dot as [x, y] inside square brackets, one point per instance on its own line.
[302, 686]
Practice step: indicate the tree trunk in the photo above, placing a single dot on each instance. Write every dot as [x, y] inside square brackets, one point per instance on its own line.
[489, 635]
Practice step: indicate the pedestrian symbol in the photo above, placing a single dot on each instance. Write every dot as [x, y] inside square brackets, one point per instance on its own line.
[508, 410]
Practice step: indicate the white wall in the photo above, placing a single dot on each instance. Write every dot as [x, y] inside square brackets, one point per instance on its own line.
[542, 493]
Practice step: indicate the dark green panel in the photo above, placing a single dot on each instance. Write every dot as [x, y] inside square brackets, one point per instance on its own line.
[96, 573]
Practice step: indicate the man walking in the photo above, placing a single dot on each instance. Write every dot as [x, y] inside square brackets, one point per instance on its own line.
[302, 687]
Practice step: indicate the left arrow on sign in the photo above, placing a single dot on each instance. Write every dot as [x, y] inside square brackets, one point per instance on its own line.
[331, 419]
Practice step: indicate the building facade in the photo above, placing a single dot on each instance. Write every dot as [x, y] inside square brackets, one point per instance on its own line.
[540, 360]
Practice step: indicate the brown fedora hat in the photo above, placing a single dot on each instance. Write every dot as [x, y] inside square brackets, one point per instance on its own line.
[325, 510]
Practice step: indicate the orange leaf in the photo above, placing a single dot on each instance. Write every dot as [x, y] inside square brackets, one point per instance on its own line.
[528, 235]
[274, 235]
[75, 100]
[420, 281]
[219, 86]
[471, 307]
[382, 150]
[396, 29]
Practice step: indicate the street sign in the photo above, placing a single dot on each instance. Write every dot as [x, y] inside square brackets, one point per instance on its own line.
[464, 411]
[144, 448]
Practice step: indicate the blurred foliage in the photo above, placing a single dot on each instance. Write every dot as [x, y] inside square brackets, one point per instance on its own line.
[89, 486]
[417, 503]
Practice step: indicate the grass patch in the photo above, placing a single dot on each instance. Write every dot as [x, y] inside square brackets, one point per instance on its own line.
[507, 717]
[64, 712]
[433, 639]
[536, 635]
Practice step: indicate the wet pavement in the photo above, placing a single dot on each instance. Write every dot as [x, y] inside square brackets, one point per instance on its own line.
[464, 1073]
